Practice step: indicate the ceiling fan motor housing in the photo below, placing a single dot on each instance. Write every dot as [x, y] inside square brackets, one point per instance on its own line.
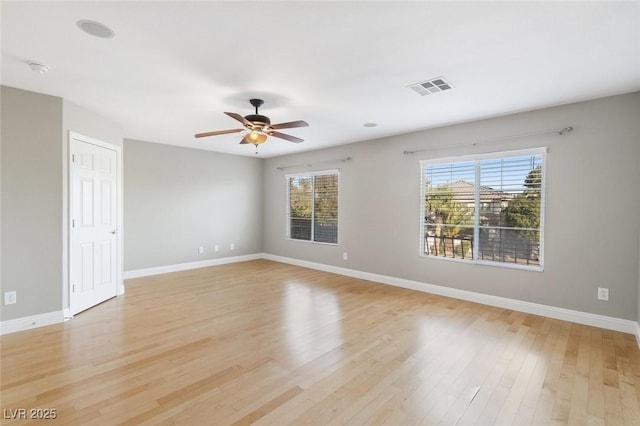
[258, 119]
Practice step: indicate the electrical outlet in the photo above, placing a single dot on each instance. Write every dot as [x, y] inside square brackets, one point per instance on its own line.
[232, 246]
[10, 298]
[345, 256]
[200, 249]
[603, 293]
[216, 248]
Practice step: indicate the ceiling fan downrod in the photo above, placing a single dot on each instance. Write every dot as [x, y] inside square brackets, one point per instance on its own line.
[257, 103]
[257, 118]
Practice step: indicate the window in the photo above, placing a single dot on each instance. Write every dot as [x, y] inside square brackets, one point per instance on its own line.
[312, 207]
[485, 208]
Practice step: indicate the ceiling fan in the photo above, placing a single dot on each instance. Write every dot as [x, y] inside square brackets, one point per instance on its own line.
[259, 127]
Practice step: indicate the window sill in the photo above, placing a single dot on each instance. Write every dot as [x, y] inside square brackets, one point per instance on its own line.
[312, 242]
[534, 268]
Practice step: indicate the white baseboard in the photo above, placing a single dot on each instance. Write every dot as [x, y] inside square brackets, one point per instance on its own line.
[137, 273]
[595, 320]
[33, 321]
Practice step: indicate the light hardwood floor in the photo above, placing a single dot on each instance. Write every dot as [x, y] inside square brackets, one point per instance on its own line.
[267, 343]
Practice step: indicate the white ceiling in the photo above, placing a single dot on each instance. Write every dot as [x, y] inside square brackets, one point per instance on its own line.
[173, 68]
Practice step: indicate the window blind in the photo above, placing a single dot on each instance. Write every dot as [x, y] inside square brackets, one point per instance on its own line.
[488, 208]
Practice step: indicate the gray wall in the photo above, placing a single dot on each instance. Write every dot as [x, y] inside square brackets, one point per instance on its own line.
[34, 198]
[178, 199]
[31, 202]
[592, 206]
[88, 123]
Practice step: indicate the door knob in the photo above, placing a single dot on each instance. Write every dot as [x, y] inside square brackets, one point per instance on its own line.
[114, 231]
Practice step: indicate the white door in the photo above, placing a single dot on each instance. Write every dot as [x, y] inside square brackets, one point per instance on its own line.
[93, 241]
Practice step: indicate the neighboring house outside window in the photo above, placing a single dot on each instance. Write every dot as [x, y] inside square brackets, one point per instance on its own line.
[312, 206]
[485, 208]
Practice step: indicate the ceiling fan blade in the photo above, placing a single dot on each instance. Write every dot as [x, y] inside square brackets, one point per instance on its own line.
[290, 124]
[239, 118]
[286, 137]
[218, 132]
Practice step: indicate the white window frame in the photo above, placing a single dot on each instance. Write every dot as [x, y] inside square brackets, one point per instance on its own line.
[541, 151]
[288, 206]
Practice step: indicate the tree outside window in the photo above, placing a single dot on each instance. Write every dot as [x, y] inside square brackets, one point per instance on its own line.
[313, 207]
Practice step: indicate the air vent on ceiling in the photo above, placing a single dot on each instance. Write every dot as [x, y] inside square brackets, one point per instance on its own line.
[434, 85]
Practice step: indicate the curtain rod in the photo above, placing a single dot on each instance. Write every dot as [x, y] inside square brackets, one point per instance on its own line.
[560, 131]
[343, 160]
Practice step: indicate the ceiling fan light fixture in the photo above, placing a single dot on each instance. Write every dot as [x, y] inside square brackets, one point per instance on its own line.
[256, 137]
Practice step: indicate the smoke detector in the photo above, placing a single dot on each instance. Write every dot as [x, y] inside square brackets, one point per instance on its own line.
[37, 67]
[428, 87]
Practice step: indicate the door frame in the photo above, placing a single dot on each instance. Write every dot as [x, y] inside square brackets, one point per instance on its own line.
[119, 214]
